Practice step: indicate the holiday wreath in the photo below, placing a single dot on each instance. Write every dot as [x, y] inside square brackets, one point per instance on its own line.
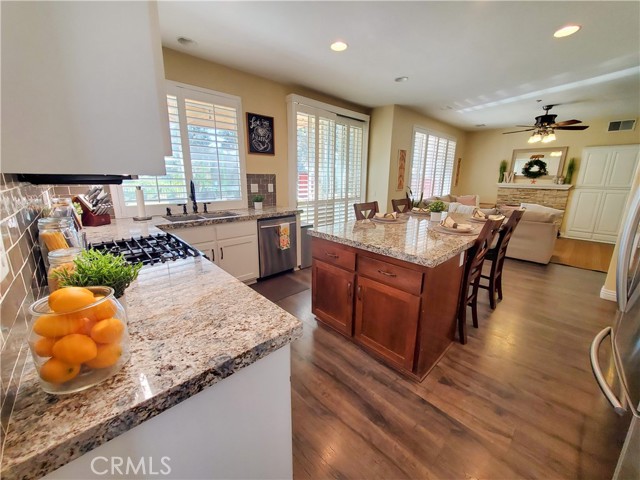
[534, 168]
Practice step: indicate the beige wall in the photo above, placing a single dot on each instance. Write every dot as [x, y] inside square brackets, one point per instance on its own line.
[485, 150]
[258, 95]
[391, 131]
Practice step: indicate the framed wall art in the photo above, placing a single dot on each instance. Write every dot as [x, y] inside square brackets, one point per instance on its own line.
[260, 138]
[402, 165]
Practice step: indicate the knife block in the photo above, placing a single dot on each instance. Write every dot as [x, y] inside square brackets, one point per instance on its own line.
[90, 219]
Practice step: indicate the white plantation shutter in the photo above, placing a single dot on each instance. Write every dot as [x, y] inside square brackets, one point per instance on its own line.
[432, 164]
[205, 133]
[329, 166]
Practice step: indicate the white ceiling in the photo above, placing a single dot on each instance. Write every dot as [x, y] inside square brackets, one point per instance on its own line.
[468, 63]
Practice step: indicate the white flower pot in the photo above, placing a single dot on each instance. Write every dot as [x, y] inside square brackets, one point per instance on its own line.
[257, 205]
[438, 216]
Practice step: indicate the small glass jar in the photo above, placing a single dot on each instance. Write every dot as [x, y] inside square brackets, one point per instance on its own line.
[77, 349]
[60, 260]
[62, 207]
[56, 234]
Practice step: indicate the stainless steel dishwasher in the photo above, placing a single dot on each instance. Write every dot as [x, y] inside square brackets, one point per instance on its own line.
[273, 258]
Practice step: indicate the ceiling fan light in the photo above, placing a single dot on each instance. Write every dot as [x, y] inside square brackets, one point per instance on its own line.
[550, 137]
[536, 137]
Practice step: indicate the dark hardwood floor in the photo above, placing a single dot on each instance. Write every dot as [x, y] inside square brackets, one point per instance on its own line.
[518, 401]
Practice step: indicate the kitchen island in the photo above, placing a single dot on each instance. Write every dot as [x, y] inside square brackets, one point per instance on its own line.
[392, 288]
[206, 387]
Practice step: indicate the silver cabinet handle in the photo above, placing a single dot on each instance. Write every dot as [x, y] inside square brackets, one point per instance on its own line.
[332, 255]
[221, 254]
[213, 254]
[618, 406]
[388, 274]
[349, 290]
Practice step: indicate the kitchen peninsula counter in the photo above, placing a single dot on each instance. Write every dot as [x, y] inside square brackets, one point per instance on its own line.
[391, 288]
[191, 326]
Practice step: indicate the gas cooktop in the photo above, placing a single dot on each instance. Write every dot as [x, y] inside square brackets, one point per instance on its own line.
[157, 248]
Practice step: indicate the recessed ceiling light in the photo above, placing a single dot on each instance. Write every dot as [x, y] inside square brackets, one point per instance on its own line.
[566, 31]
[185, 41]
[481, 125]
[401, 79]
[339, 46]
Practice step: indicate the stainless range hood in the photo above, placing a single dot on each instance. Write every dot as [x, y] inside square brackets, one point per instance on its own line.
[55, 179]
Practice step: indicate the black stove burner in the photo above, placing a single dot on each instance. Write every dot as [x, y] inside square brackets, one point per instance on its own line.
[148, 250]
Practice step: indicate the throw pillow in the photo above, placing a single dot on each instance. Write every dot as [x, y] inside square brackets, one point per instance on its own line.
[456, 207]
[534, 207]
[468, 200]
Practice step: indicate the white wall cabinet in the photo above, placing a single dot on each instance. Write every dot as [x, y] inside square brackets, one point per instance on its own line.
[596, 207]
[232, 246]
[83, 89]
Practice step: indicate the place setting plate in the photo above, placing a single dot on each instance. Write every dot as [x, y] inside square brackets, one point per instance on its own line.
[454, 231]
[388, 220]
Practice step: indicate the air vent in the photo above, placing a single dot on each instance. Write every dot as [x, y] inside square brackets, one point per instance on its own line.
[621, 125]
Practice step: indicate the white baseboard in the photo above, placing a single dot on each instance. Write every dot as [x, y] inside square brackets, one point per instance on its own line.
[608, 294]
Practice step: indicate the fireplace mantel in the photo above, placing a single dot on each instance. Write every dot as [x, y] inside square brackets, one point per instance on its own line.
[536, 186]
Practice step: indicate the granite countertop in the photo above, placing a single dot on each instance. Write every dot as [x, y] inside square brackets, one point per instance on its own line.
[191, 325]
[243, 214]
[414, 240]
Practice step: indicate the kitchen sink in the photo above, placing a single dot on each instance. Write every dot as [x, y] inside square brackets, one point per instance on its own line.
[182, 218]
[218, 214]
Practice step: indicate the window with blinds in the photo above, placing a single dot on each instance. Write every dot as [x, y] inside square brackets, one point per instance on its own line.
[432, 164]
[329, 166]
[205, 148]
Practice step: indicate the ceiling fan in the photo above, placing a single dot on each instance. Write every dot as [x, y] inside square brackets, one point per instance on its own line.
[543, 129]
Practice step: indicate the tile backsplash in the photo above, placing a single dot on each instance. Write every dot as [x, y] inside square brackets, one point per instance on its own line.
[262, 180]
[21, 278]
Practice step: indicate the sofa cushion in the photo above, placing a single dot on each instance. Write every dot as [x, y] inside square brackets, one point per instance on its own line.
[541, 217]
[534, 207]
[473, 200]
[455, 207]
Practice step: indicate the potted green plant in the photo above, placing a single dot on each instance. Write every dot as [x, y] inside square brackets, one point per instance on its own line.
[438, 211]
[96, 268]
[571, 167]
[503, 169]
[257, 202]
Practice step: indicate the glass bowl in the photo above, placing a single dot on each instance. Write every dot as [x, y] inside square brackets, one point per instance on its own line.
[76, 348]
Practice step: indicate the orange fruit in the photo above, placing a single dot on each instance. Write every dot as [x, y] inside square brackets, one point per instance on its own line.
[107, 331]
[75, 349]
[87, 325]
[106, 309]
[52, 326]
[44, 346]
[107, 355]
[56, 371]
[68, 299]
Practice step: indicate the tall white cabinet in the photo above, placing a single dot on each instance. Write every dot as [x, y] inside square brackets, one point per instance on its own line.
[605, 177]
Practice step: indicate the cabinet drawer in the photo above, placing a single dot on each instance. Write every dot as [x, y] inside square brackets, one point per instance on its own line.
[236, 229]
[193, 235]
[334, 254]
[395, 276]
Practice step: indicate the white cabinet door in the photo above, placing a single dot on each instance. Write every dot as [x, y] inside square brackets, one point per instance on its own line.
[210, 249]
[610, 216]
[593, 168]
[239, 257]
[623, 161]
[583, 213]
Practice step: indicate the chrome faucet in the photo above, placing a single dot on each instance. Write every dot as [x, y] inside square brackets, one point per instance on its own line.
[193, 197]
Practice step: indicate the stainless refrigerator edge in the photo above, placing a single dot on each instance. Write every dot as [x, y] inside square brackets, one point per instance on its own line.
[624, 335]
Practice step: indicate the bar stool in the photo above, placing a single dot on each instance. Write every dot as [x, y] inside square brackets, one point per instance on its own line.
[471, 277]
[365, 210]
[496, 256]
[401, 205]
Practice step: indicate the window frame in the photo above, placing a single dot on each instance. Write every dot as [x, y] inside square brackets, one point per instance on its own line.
[180, 91]
[427, 131]
[298, 103]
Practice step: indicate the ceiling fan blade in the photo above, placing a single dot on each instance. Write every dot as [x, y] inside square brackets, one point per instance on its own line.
[518, 131]
[566, 122]
[526, 126]
[579, 127]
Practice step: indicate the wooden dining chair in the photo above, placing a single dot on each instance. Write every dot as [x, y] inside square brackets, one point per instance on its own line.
[496, 256]
[471, 277]
[365, 210]
[401, 205]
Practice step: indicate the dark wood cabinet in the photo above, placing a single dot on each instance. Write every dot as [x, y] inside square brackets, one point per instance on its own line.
[387, 321]
[400, 312]
[332, 296]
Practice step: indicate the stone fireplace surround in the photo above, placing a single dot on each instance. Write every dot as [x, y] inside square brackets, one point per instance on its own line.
[549, 195]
